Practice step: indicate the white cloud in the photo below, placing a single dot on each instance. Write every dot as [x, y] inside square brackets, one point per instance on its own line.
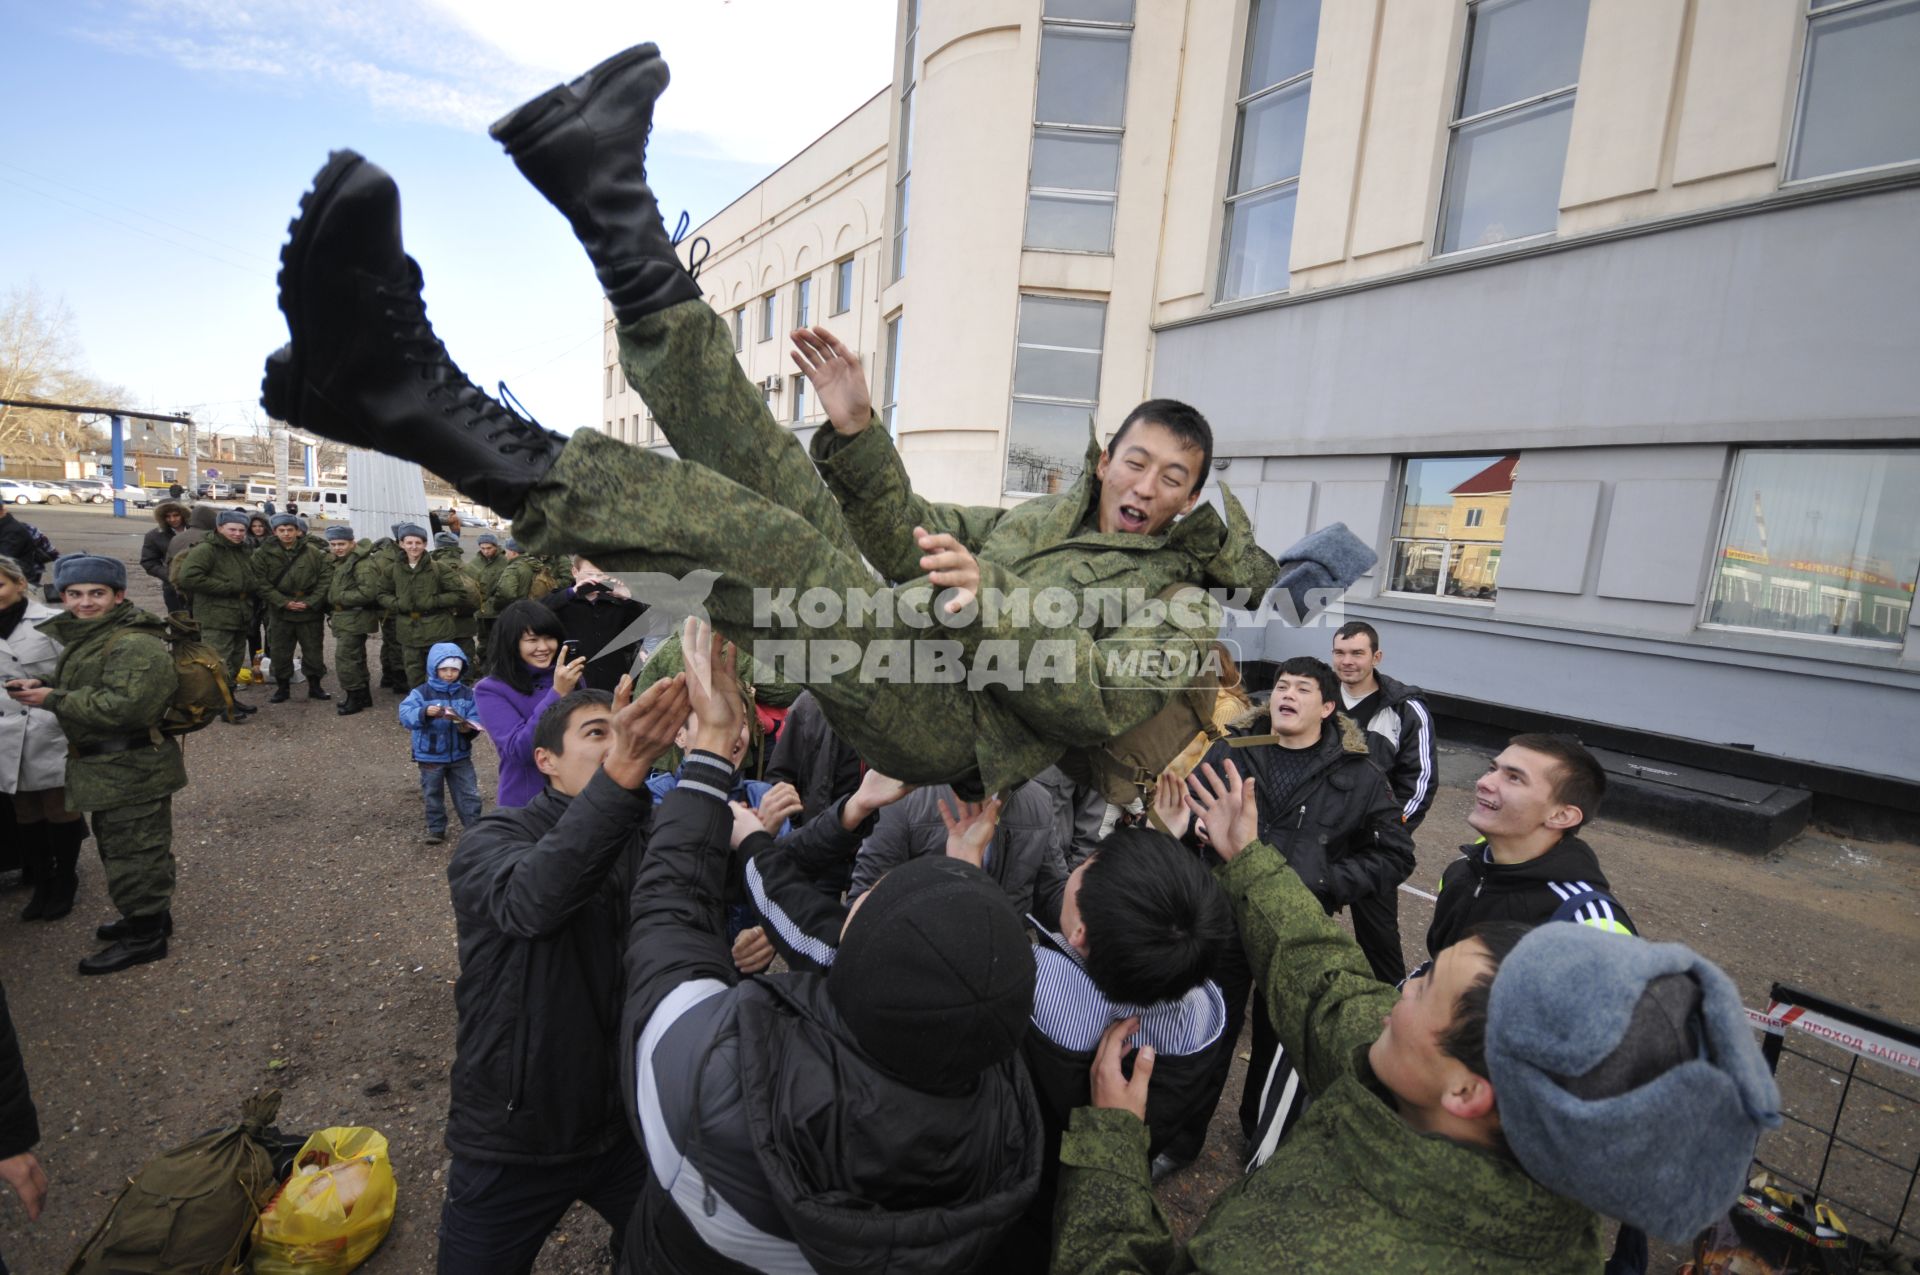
[754, 80]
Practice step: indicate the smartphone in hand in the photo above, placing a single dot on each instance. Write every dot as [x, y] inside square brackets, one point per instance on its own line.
[569, 651]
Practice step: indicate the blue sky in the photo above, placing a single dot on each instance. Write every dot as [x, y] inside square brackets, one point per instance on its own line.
[154, 150]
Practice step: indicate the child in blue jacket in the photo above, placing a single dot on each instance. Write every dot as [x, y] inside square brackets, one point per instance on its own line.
[440, 713]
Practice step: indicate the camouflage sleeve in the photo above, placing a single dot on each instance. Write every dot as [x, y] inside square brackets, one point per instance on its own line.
[262, 568]
[196, 575]
[129, 696]
[450, 587]
[387, 590]
[1104, 1217]
[865, 475]
[1320, 993]
[1080, 689]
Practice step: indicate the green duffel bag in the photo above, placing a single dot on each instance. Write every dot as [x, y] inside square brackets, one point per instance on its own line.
[190, 1211]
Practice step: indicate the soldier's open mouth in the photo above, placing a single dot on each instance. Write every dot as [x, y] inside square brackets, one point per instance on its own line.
[1132, 519]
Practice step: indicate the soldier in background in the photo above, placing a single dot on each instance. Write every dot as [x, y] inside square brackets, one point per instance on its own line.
[113, 683]
[422, 595]
[290, 577]
[353, 601]
[466, 627]
[393, 660]
[487, 564]
[217, 578]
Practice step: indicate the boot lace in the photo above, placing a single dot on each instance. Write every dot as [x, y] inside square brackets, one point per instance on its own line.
[508, 430]
[698, 251]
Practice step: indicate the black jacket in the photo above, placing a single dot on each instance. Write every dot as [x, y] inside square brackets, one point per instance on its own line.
[1474, 889]
[153, 545]
[594, 618]
[1400, 735]
[812, 758]
[540, 902]
[17, 542]
[1338, 825]
[19, 1123]
[772, 1140]
[1025, 857]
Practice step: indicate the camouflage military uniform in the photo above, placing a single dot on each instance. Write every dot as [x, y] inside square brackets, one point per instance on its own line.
[421, 599]
[1354, 1187]
[744, 500]
[393, 657]
[485, 572]
[281, 577]
[353, 599]
[466, 627]
[217, 578]
[114, 679]
[513, 582]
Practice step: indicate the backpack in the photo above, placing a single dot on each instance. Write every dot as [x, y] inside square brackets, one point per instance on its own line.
[1124, 769]
[542, 583]
[203, 693]
[191, 1210]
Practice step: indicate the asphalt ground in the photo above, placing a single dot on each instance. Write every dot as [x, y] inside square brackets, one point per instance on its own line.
[315, 952]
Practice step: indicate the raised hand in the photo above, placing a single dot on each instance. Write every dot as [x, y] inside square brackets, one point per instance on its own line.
[838, 380]
[1170, 803]
[776, 805]
[970, 828]
[951, 565]
[1112, 1088]
[644, 728]
[713, 687]
[1227, 805]
[876, 792]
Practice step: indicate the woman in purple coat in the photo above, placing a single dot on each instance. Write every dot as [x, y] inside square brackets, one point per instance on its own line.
[524, 675]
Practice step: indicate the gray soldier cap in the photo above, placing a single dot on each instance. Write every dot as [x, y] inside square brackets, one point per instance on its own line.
[487, 538]
[401, 530]
[284, 520]
[445, 540]
[232, 515]
[89, 568]
[1627, 1077]
[339, 532]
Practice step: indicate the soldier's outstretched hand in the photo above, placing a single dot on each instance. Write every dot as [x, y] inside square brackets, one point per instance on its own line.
[970, 828]
[713, 686]
[1112, 1087]
[838, 380]
[1228, 805]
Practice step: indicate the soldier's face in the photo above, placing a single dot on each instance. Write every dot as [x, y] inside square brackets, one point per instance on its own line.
[340, 548]
[489, 550]
[286, 534]
[1407, 1058]
[233, 531]
[1148, 478]
[90, 601]
[414, 547]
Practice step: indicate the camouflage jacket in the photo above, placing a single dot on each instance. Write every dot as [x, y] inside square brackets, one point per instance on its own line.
[216, 575]
[512, 582]
[422, 599]
[1050, 543]
[485, 571]
[282, 576]
[454, 560]
[354, 585]
[114, 679]
[1354, 1187]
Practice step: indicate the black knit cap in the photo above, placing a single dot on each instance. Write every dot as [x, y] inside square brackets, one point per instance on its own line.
[935, 975]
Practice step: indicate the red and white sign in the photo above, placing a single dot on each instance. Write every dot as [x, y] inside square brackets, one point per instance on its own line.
[1780, 1015]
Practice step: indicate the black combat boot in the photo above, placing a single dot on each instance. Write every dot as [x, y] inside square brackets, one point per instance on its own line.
[584, 146]
[121, 928]
[314, 690]
[364, 366]
[36, 866]
[282, 692]
[145, 940]
[355, 701]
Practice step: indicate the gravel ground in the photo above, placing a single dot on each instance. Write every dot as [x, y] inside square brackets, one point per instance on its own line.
[315, 953]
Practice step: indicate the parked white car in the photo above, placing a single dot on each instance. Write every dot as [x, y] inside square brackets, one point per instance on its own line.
[15, 492]
[54, 493]
[95, 491]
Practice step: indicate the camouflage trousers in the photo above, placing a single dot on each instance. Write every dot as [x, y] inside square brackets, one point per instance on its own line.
[350, 656]
[230, 645]
[136, 851]
[483, 630]
[308, 636]
[743, 499]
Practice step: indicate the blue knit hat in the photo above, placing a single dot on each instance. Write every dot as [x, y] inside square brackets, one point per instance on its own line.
[402, 530]
[445, 540]
[1626, 1076]
[284, 520]
[232, 515]
[89, 568]
[339, 531]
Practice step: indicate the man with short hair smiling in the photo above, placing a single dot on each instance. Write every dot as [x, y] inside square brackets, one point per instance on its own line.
[1399, 730]
[217, 577]
[421, 594]
[1529, 865]
[114, 682]
[1476, 1120]
[290, 578]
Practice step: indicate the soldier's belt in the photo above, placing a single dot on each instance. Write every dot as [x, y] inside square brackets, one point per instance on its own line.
[107, 746]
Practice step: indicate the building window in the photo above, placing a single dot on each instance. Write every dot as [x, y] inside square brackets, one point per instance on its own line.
[1056, 387]
[1820, 542]
[1859, 96]
[1443, 545]
[1077, 119]
[1509, 144]
[740, 328]
[1269, 133]
[621, 432]
[609, 393]
[908, 65]
[843, 286]
[799, 399]
[895, 325]
[803, 303]
[766, 317]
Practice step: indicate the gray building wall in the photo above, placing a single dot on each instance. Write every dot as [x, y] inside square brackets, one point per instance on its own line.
[1626, 370]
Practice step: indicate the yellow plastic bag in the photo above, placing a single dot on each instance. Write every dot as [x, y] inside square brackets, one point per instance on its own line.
[333, 1211]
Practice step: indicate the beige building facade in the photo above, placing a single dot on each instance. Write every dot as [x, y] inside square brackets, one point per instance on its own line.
[1651, 261]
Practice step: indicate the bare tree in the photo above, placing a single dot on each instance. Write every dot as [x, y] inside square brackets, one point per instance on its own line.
[39, 359]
